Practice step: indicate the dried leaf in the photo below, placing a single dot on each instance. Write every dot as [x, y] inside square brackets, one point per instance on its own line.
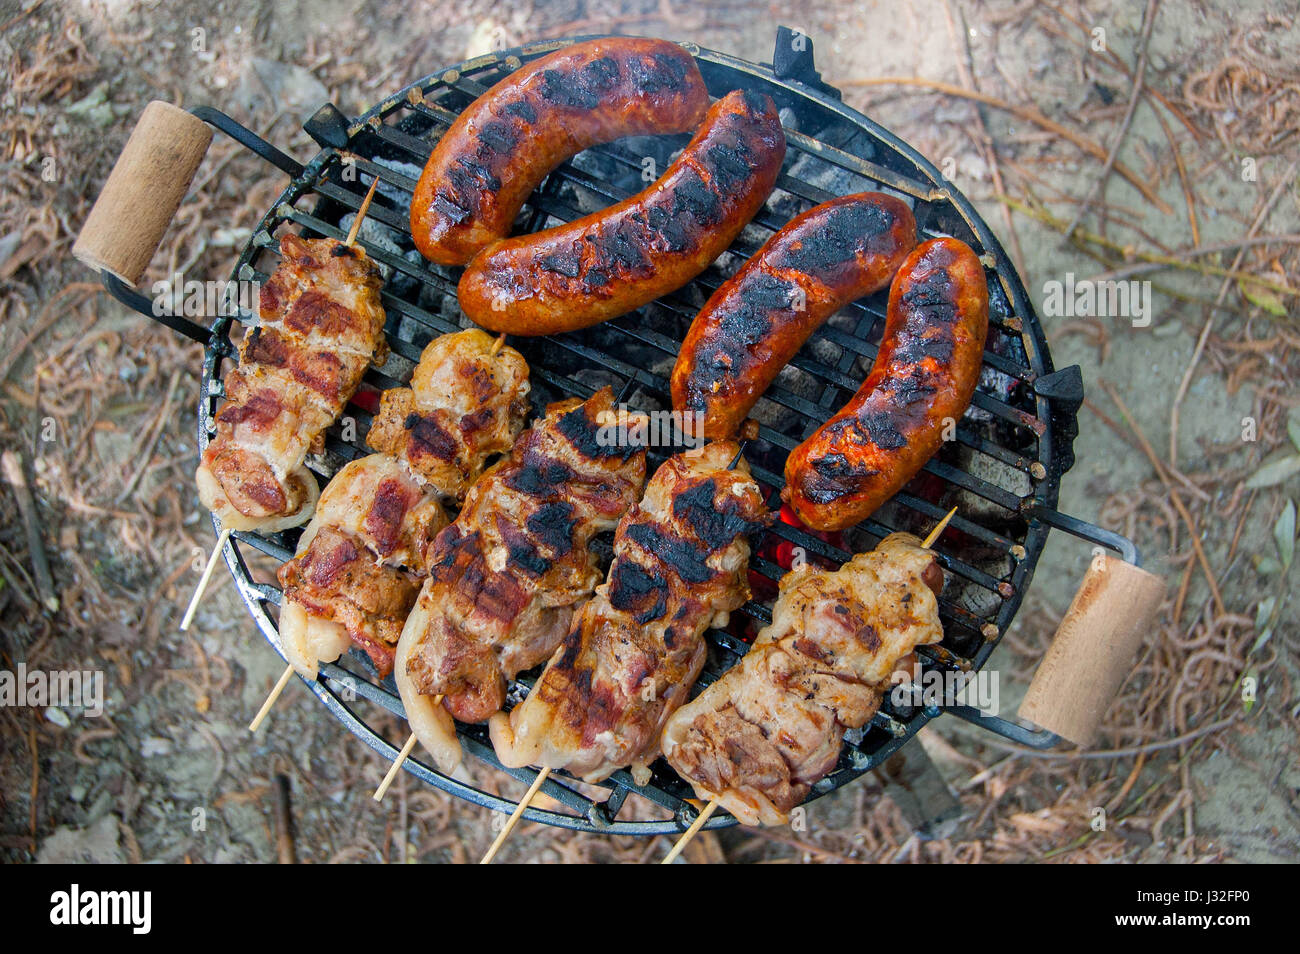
[1267, 566]
[1284, 534]
[1270, 301]
[1275, 471]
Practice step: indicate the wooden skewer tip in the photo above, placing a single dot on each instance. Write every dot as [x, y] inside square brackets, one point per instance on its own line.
[515, 816]
[939, 527]
[691, 832]
[203, 580]
[361, 213]
[270, 699]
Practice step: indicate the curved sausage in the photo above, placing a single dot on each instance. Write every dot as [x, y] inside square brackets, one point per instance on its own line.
[620, 258]
[506, 142]
[926, 372]
[753, 324]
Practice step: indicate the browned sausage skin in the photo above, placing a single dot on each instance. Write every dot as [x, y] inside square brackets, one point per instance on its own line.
[615, 260]
[505, 143]
[926, 372]
[754, 323]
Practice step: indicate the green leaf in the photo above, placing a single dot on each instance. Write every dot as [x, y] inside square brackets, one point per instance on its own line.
[1266, 565]
[1275, 471]
[1262, 641]
[1270, 301]
[1264, 611]
[1284, 534]
[1293, 426]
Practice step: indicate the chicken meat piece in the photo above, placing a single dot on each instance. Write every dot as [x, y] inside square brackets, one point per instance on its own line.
[351, 580]
[506, 576]
[321, 325]
[361, 561]
[761, 736]
[680, 565]
[465, 405]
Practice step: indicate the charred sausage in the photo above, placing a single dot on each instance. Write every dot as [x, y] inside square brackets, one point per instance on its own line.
[615, 260]
[925, 374]
[501, 148]
[754, 323]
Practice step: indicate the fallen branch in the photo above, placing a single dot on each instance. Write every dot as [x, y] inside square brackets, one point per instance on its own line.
[13, 471]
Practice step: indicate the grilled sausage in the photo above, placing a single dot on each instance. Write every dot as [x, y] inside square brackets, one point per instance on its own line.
[501, 148]
[615, 260]
[752, 326]
[925, 373]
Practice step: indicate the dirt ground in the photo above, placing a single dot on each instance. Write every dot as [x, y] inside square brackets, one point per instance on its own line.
[1183, 445]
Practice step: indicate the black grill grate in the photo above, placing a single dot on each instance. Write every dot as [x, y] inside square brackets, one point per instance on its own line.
[1002, 471]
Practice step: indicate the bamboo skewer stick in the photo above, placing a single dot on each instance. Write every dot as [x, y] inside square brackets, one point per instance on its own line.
[361, 213]
[270, 699]
[515, 816]
[712, 805]
[382, 790]
[690, 833]
[203, 580]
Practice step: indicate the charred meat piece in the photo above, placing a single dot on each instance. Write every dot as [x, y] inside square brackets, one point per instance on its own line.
[650, 244]
[680, 565]
[321, 325]
[759, 737]
[465, 405]
[505, 577]
[504, 144]
[361, 560]
[350, 581]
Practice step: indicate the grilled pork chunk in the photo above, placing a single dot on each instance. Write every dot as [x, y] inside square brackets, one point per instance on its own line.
[351, 580]
[362, 558]
[759, 737]
[630, 658]
[505, 577]
[464, 405]
[321, 325]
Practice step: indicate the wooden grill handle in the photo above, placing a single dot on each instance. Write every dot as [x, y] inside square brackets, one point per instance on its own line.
[147, 184]
[1092, 651]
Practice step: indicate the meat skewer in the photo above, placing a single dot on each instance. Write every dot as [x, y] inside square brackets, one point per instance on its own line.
[632, 654]
[507, 576]
[758, 738]
[321, 324]
[361, 560]
[409, 746]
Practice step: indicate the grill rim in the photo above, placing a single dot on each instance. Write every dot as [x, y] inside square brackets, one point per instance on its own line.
[336, 683]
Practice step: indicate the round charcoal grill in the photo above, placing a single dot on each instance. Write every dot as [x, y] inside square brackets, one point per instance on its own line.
[1002, 472]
